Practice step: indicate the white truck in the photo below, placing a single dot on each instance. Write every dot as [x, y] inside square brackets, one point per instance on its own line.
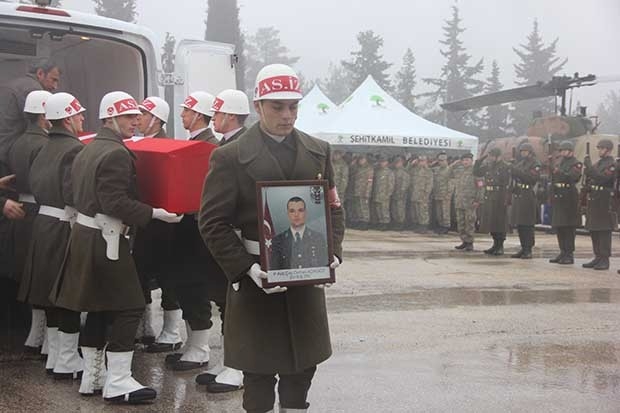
[98, 55]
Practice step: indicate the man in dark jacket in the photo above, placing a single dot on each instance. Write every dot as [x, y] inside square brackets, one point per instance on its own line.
[277, 332]
[601, 218]
[565, 200]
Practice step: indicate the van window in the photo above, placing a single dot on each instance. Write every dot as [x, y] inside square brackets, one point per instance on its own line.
[91, 67]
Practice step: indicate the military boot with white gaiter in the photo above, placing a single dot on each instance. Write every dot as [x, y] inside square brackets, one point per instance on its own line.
[69, 364]
[95, 372]
[196, 351]
[170, 337]
[36, 336]
[52, 349]
[120, 386]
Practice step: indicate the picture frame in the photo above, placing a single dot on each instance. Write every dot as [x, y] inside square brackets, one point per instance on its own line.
[295, 233]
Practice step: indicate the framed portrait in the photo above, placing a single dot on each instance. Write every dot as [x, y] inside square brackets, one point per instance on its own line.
[295, 235]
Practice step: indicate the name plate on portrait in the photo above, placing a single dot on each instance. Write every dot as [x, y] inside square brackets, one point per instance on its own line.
[295, 236]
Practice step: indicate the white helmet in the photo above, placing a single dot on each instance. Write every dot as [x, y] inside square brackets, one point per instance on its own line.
[231, 101]
[156, 107]
[62, 105]
[35, 101]
[200, 102]
[277, 81]
[118, 104]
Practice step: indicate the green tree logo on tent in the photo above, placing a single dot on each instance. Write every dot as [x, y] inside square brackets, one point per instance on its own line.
[459, 144]
[323, 107]
[377, 100]
[340, 139]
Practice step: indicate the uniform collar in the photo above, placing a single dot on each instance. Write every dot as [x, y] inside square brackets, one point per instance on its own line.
[58, 131]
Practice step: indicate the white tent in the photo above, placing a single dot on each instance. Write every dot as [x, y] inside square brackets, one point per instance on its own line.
[314, 109]
[370, 117]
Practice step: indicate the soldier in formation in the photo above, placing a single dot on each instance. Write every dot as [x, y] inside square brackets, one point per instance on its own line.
[361, 191]
[494, 208]
[467, 197]
[420, 194]
[601, 216]
[442, 196]
[565, 202]
[398, 205]
[382, 190]
[525, 174]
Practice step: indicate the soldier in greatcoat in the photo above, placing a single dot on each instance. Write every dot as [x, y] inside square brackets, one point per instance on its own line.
[398, 203]
[230, 111]
[152, 250]
[601, 217]
[50, 183]
[98, 274]
[565, 215]
[269, 332]
[494, 208]
[467, 197]
[20, 157]
[382, 190]
[525, 173]
[190, 267]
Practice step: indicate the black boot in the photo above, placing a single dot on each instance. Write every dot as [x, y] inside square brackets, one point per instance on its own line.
[527, 253]
[592, 263]
[518, 254]
[567, 259]
[469, 247]
[500, 248]
[462, 246]
[602, 264]
[558, 258]
[491, 250]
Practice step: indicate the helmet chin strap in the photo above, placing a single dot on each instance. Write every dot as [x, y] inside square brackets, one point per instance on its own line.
[148, 128]
[194, 119]
[116, 128]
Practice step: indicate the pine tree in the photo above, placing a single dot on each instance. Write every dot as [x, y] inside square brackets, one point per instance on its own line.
[457, 80]
[117, 9]
[223, 26]
[539, 63]
[264, 48]
[368, 61]
[406, 81]
[609, 114]
[336, 84]
[495, 118]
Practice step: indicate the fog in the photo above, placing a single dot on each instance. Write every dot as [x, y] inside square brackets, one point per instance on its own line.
[324, 30]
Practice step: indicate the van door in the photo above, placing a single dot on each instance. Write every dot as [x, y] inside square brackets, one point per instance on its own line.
[200, 65]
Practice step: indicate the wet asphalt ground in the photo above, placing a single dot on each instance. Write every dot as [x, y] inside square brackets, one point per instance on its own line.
[417, 326]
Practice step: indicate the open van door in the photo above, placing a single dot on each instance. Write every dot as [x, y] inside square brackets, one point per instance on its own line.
[200, 65]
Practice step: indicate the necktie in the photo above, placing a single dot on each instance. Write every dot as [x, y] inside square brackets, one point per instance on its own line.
[297, 238]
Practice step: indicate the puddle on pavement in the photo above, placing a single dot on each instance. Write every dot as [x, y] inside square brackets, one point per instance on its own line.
[452, 297]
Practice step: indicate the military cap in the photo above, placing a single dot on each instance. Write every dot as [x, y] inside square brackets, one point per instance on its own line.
[566, 146]
[399, 158]
[467, 155]
[495, 152]
[422, 158]
[442, 156]
[381, 157]
[605, 144]
[526, 147]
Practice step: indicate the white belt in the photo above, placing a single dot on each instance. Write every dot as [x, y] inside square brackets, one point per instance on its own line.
[27, 198]
[111, 230]
[252, 247]
[68, 214]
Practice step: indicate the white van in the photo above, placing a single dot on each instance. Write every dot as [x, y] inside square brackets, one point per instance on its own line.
[98, 55]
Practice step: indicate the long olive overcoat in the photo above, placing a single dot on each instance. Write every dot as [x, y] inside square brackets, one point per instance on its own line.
[525, 174]
[494, 208]
[50, 182]
[600, 213]
[103, 182]
[565, 197]
[265, 333]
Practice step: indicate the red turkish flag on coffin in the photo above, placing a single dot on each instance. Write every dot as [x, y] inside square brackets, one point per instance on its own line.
[170, 172]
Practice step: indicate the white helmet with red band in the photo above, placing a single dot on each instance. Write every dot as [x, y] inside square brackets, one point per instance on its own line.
[200, 102]
[118, 104]
[156, 106]
[61, 106]
[35, 101]
[277, 81]
[231, 101]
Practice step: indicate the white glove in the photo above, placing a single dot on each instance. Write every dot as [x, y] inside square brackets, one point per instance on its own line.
[163, 215]
[257, 275]
[335, 264]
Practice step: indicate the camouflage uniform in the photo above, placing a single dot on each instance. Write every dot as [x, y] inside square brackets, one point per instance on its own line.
[341, 176]
[382, 189]
[348, 194]
[399, 197]
[360, 194]
[419, 196]
[442, 195]
[467, 192]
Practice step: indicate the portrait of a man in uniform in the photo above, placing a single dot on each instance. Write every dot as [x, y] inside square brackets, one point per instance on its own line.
[298, 246]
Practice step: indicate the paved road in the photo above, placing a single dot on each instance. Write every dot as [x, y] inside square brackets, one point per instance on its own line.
[419, 327]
